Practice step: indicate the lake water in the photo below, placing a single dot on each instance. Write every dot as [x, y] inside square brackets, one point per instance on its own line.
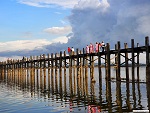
[44, 91]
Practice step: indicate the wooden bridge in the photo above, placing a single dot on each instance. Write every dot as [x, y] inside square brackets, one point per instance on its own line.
[80, 59]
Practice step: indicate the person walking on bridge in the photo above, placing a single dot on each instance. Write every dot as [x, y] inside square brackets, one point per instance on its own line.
[69, 50]
[91, 48]
[96, 47]
[103, 46]
[87, 49]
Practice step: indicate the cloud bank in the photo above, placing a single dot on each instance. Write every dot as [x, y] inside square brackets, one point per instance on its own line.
[111, 21]
[91, 21]
[29, 47]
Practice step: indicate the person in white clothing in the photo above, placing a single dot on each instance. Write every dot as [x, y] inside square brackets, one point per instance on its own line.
[103, 46]
[72, 49]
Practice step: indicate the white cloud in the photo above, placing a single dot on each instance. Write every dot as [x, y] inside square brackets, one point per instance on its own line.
[83, 4]
[59, 13]
[62, 39]
[49, 3]
[31, 3]
[58, 30]
[29, 45]
[23, 45]
[63, 22]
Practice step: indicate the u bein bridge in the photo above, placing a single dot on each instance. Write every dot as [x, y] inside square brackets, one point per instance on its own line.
[74, 76]
[80, 59]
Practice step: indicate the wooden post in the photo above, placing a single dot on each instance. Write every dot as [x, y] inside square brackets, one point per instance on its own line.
[83, 65]
[36, 63]
[80, 66]
[40, 61]
[60, 64]
[70, 71]
[108, 62]
[60, 60]
[52, 72]
[83, 58]
[138, 63]
[65, 87]
[77, 53]
[126, 62]
[44, 60]
[108, 97]
[31, 61]
[70, 60]
[118, 62]
[48, 63]
[37, 76]
[33, 80]
[119, 96]
[128, 96]
[44, 71]
[56, 74]
[18, 71]
[48, 59]
[148, 94]
[91, 66]
[60, 72]
[65, 60]
[147, 59]
[86, 67]
[99, 65]
[133, 60]
[74, 73]
[13, 70]
[92, 70]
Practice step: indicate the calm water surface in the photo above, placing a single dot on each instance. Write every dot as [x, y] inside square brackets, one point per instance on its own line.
[46, 92]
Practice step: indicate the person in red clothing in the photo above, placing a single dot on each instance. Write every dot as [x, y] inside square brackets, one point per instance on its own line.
[99, 46]
[69, 50]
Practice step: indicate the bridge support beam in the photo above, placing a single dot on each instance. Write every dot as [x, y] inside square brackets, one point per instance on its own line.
[147, 59]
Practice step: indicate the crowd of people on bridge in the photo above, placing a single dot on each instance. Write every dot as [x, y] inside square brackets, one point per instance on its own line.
[91, 48]
[70, 50]
[97, 48]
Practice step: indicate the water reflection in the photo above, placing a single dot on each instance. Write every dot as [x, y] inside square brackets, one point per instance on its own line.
[72, 90]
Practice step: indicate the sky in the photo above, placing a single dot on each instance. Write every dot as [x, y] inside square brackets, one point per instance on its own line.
[34, 27]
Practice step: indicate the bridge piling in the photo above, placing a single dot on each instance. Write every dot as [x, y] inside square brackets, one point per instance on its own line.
[147, 59]
[117, 48]
[138, 65]
[108, 62]
[133, 60]
[126, 62]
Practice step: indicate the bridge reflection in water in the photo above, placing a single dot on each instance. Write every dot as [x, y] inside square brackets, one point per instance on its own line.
[74, 85]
